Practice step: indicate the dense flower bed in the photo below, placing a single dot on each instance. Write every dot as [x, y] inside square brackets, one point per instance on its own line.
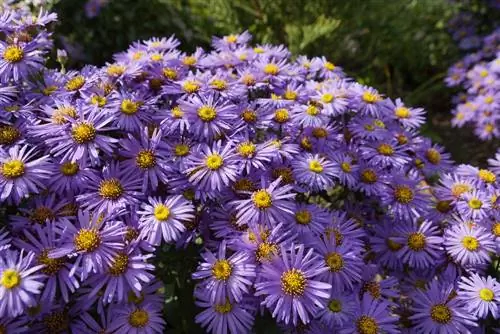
[314, 197]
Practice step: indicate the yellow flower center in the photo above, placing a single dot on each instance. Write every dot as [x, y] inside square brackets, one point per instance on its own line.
[120, 264]
[170, 73]
[315, 166]
[222, 270]
[161, 212]
[47, 91]
[111, 189]
[12, 169]
[433, 156]
[443, 206]
[285, 173]
[393, 245]
[495, 229]
[334, 261]
[312, 110]
[416, 241]
[138, 318]
[271, 69]
[366, 325]
[402, 112]
[83, 133]
[249, 116]
[181, 150]
[214, 161]
[329, 66]
[75, 84]
[486, 294]
[487, 176]
[402, 139]
[129, 107]
[369, 97]
[156, 57]
[441, 314]
[369, 176]
[293, 282]
[69, 168]
[223, 308]
[385, 149]
[483, 73]
[137, 55]
[281, 115]
[335, 306]
[247, 149]
[403, 194]
[87, 240]
[258, 50]
[145, 159]
[52, 266]
[219, 84]
[131, 234]
[319, 132]
[265, 251]
[459, 188]
[248, 79]
[98, 100]
[9, 135]
[177, 112]
[327, 97]
[262, 199]
[115, 70]
[60, 114]
[303, 217]
[470, 243]
[10, 279]
[290, 95]
[13, 54]
[475, 203]
[41, 214]
[346, 167]
[232, 38]
[191, 86]
[373, 288]
[189, 60]
[207, 113]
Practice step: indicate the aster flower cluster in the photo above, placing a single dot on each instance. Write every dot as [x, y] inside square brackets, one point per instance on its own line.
[314, 197]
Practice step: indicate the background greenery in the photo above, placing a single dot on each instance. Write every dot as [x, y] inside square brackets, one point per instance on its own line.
[401, 47]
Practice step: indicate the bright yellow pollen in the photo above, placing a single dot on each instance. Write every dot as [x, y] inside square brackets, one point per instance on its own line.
[69, 168]
[483, 73]
[9, 135]
[10, 278]
[115, 70]
[189, 60]
[329, 66]
[433, 156]
[232, 38]
[219, 84]
[170, 73]
[129, 107]
[486, 294]
[459, 188]
[59, 116]
[369, 176]
[385, 149]
[145, 159]
[366, 325]
[441, 314]
[327, 98]
[120, 264]
[191, 86]
[138, 318]
[98, 100]
[416, 241]
[181, 150]
[222, 270]
[258, 50]
[87, 240]
[51, 266]
[487, 176]
[249, 116]
[265, 251]
[470, 243]
[207, 113]
[315, 166]
[334, 261]
[111, 189]
[475, 203]
[83, 133]
[223, 308]
[12, 169]
[156, 57]
[290, 95]
[13, 54]
[335, 306]
[403, 194]
[495, 229]
[262, 199]
[247, 149]
[75, 84]
[346, 167]
[402, 112]
[303, 217]
[271, 69]
[312, 110]
[161, 212]
[369, 97]
[214, 161]
[293, 282]
[281, 115]
[177, 112]
[489, 99]
[137, 55]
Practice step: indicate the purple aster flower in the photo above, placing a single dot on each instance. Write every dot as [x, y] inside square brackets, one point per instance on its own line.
[372, 180]
[291, 287]
[19, 282]
[314, 171]
[68, 177]
[481, 296]
[345, 169]
[411, 118]
[19, 60]
[212, 168]
[20, 174]
[254, 156]
[367, 100]
[474, 205]
[469, 244]
[435, 312]
[383, 244]
[130, 111]
[371, 316]
[129, 318]
[226, 279]
[270, 205]
[165, 219]
[93, 240]
[339, 311]
[115, 188]
[385, 153]
[310, 220]
[405, 198]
